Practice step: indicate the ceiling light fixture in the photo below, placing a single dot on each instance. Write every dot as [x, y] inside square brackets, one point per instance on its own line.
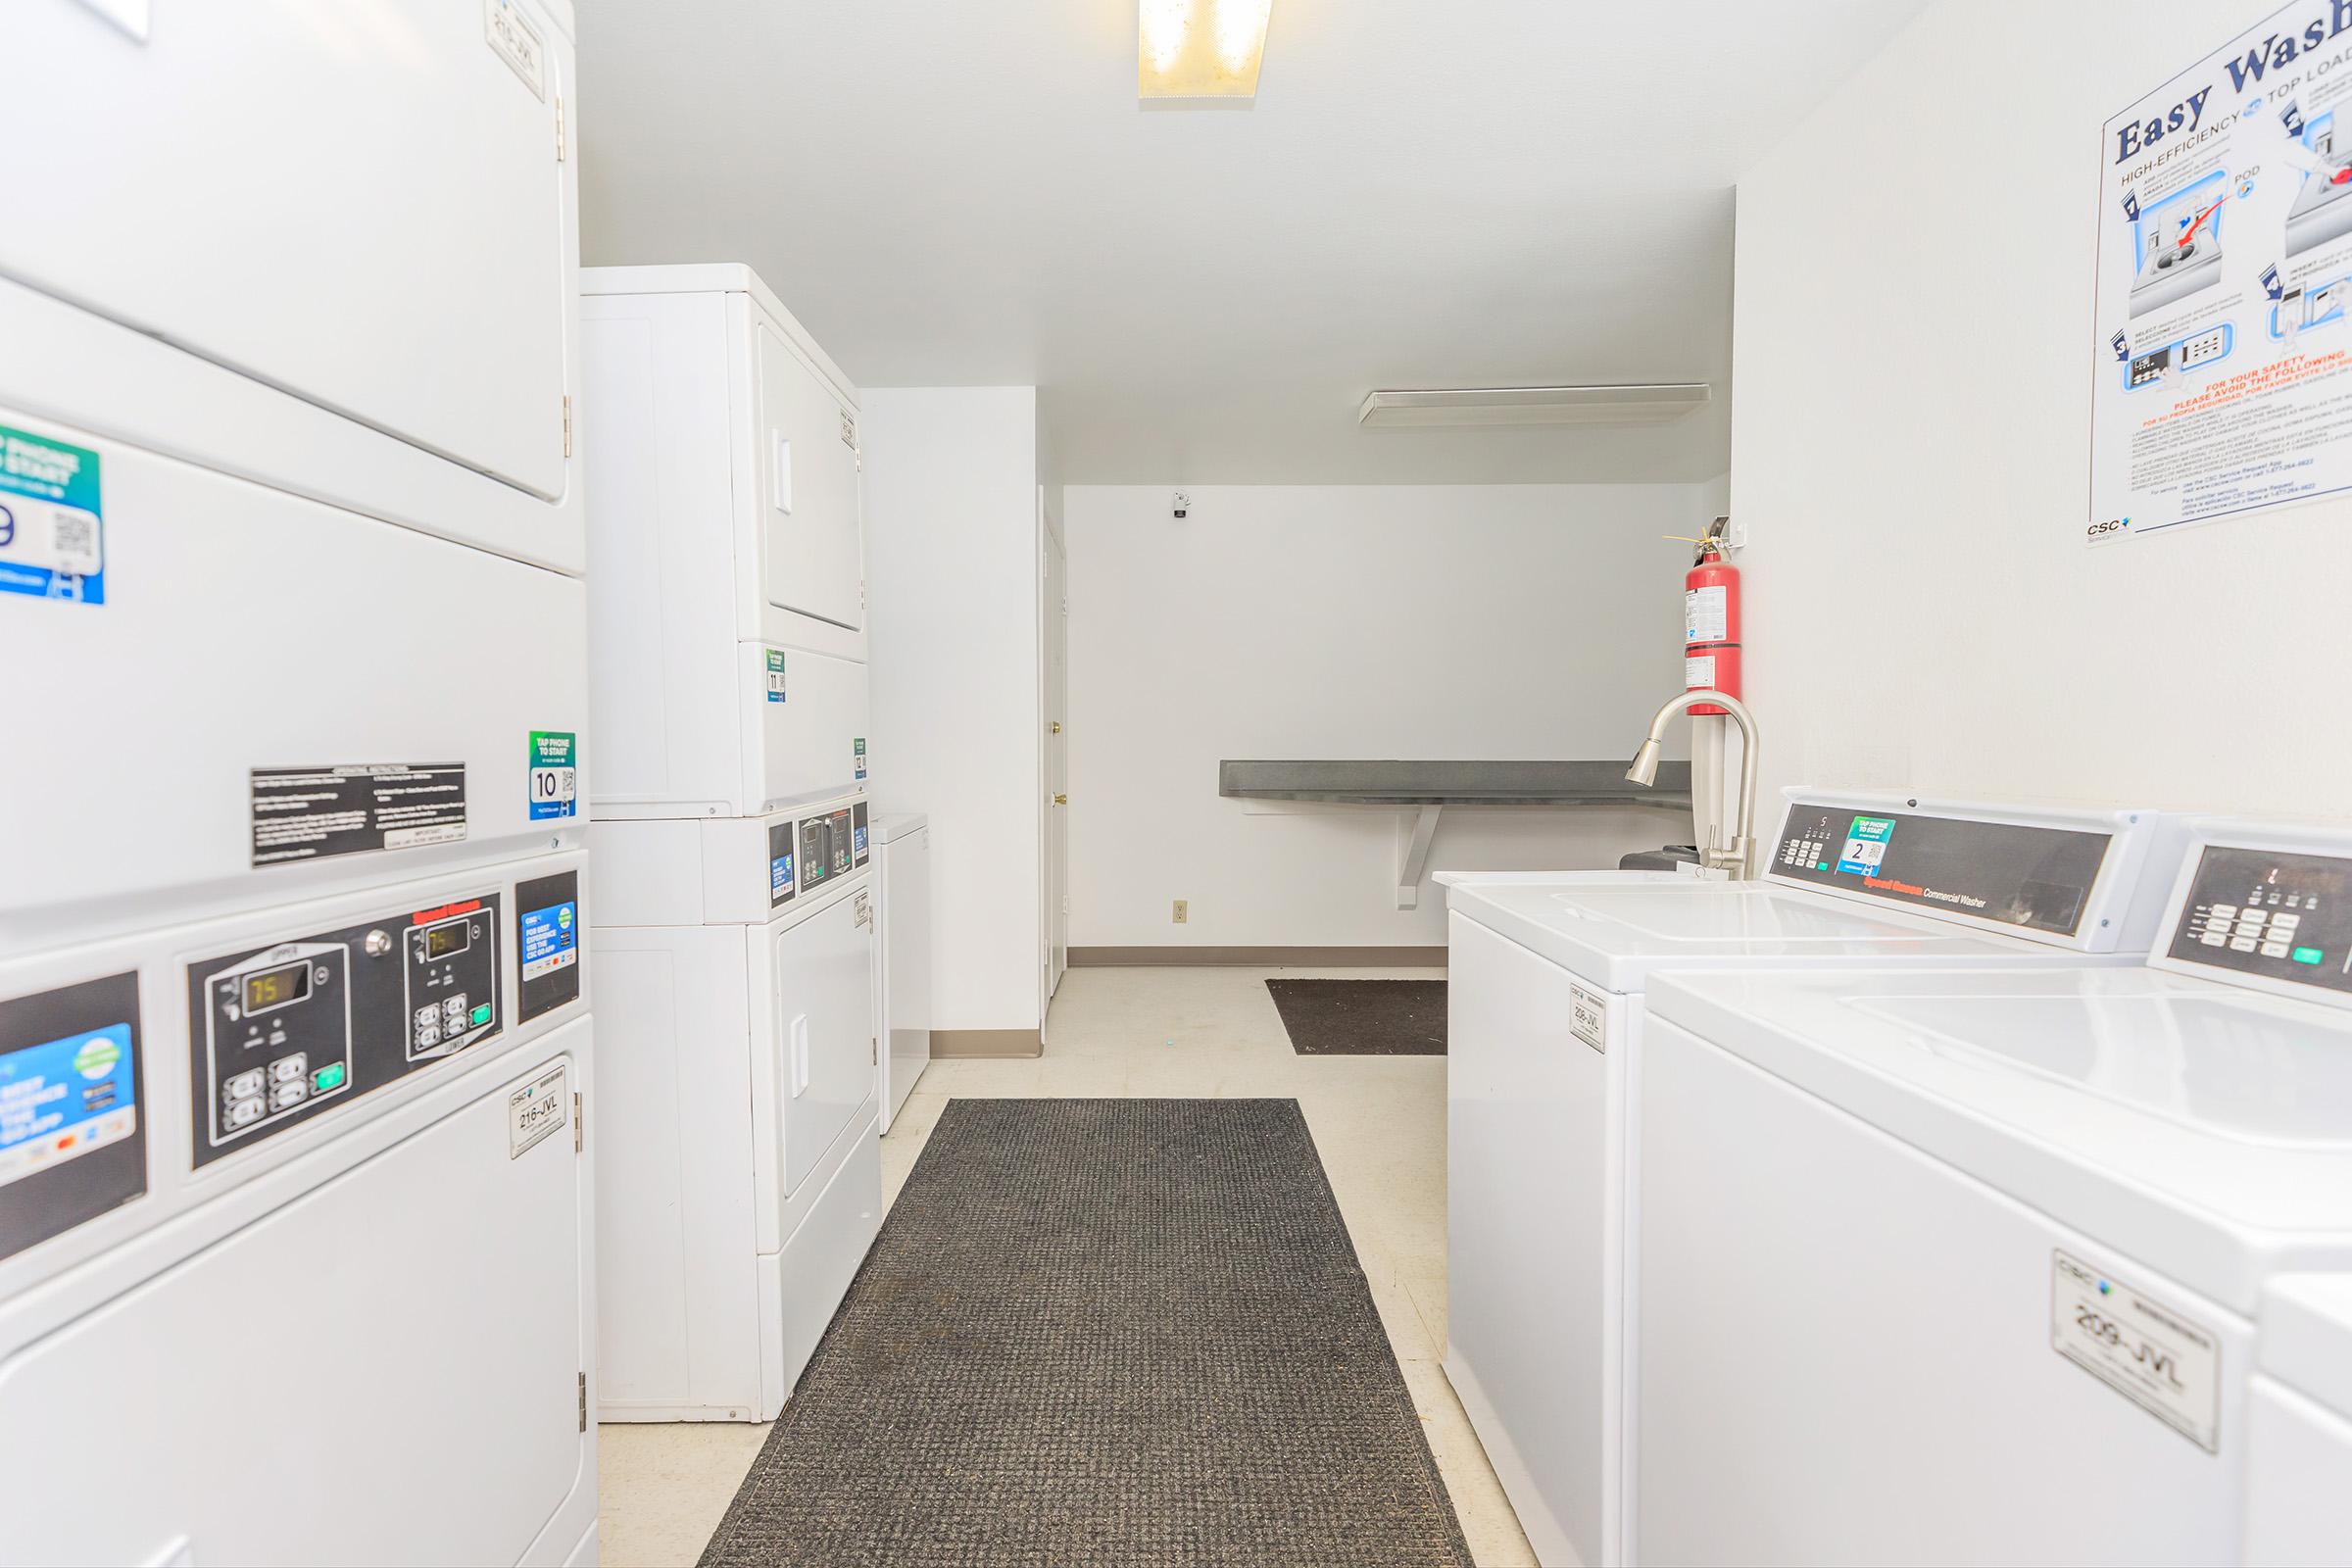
[1200, 50]
[1650, 404]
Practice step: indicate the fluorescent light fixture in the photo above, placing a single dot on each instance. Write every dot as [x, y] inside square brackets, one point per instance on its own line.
[1199, 48]
[1653, 403]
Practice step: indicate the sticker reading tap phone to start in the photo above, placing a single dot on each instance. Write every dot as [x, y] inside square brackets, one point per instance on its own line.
[1865, 845]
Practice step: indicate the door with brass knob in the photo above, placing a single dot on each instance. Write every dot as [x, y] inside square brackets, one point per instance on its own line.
[1061, 799]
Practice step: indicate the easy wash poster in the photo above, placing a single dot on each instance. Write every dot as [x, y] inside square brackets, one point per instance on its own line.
[2222, 380]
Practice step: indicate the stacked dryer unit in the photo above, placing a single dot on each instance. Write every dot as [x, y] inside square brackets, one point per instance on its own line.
[735, 919]
[295, 1233]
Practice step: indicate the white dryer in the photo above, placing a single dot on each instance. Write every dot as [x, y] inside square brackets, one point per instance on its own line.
[1970, 1266]
[735, 989]
[728, 600]
[1545, 1068]
[903, 953]
[296, 1229]
[289, 516]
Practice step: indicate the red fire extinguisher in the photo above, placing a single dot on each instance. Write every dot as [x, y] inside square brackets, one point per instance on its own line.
[1711, 625]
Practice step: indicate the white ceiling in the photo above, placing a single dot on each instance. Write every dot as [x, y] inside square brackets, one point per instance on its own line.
[1426, 193]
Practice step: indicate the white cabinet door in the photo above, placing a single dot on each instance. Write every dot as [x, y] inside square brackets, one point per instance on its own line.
[824, 979]
[810, 523]
[359, 203]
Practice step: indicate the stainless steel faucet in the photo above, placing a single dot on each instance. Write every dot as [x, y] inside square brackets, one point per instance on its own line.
[1645, 771]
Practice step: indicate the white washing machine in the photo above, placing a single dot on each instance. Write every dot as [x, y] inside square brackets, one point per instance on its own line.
[2299, 1426]
[1546, 1067]
[902, 951]
[735, 994]
[293, 999]
[1947, 1266]
[728, 600]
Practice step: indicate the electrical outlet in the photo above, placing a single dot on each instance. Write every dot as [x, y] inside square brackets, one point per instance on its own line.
[1179, 912]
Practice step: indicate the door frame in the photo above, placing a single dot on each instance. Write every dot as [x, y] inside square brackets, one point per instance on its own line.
[1053, 868]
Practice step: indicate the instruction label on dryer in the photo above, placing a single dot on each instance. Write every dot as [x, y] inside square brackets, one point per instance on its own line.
[309, 813]
[52, 532]
[2152, 1356]
[1588, 1018]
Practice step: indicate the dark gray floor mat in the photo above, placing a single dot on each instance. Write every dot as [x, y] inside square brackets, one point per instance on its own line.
[1102, 1331]
[1363, 1017]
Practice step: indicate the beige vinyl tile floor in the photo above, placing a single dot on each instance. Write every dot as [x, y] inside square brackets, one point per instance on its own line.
[1379, 1123]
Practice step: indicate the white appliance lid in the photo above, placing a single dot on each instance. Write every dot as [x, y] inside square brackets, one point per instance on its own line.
[898, 824]
[2201, 1130]
[1616, 936]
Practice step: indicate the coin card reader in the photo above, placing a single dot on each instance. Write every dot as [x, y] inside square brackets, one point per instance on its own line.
[278, 1033]
[73, 1143]
[546, 934]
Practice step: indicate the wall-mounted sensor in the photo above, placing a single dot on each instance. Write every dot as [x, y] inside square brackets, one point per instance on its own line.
[1180, 504]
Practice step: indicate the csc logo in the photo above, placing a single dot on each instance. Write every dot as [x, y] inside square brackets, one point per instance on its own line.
[2100, 531]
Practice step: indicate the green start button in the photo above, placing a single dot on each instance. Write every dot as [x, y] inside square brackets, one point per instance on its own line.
[481, 1014]
[327, 1077]
[2308, 954]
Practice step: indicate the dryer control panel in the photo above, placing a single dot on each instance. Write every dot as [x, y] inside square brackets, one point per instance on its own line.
[2276, 914]
[277, 1034]
[832, 845]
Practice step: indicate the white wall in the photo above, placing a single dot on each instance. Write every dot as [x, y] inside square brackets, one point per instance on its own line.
[951, 511]
[1910, 451]
[1331, 621]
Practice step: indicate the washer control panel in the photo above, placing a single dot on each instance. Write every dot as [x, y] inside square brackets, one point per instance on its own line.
[2031, 875]
[278, 1034]
[2273, 913]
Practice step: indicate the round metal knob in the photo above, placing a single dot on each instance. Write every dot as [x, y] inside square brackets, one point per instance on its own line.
[379, 943]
